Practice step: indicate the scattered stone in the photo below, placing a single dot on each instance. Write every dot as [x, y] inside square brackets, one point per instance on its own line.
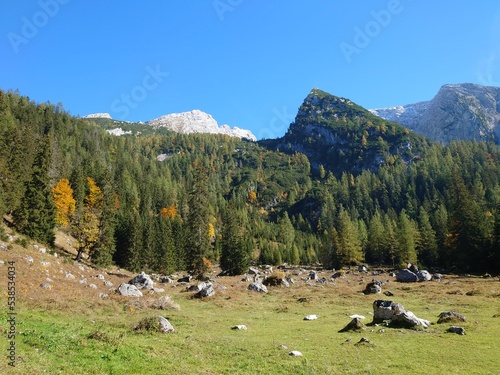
[312, 275]
[437, 277]
[158, 290]
[413, 268]
[258, 287]
[424, 275]
[284, 347]
[406, 276]
[247, 278]
[362, 269]
[156, 323]
[240, 327]
[354, 325]
[185, 279]
[374, 287]
[43, 250]
[166, 280]
[276, 280]
[396, 314]
[356, 316]
[70, 276]
[2, 262]
[198, 287]
[392, 274]
[142, 281]
[129, 290]
[108, 283]
[363, 341]
[323, 280]
[456, 329]
[451, 317]
[83, 281]
[336, 275]
[388, 293]
[82, 268]
[381, 330]
[45, 286]
[253, 271]
[304, 299]
[295, 353]
[207, 291]
[100, 276]
[311, 317]
[103, 295]
[290, 280]
[92, 286]
[29, 259]
[45, 264]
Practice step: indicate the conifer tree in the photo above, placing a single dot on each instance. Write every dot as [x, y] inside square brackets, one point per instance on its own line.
[349, 250]
[407, 234]
[197, 225]
[234, 258]
[36, 215]
[427, 246]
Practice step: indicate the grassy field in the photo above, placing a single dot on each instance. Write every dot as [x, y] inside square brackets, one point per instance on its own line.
[68, 329]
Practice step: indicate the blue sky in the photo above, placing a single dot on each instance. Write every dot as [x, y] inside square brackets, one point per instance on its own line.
[249, 63]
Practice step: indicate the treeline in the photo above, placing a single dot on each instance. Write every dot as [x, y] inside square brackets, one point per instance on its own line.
[215, 199]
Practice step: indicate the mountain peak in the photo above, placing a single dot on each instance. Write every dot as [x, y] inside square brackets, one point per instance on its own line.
[197, 121]
[98, 115]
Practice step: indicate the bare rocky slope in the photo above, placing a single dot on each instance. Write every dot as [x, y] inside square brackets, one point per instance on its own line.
[458, 112]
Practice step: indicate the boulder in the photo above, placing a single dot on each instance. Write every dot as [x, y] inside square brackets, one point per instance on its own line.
[312, 275]
[456, 329]
[240, 327]
[310, 317]
[258, 287]
[253, 271]
[362, 269]
[129, 290]
[437, 277]
[295, 353]
[406, 276]
[164, 325]
[207, 291]
[354, 325]
[373, 288]
[92, 286]
[185, 279]
[451, 317]
[142, 281]
[166, 280]
[413, 268]
[247, 278]
[45, 286]
[197, 288]
[424, 275]
[396, 314]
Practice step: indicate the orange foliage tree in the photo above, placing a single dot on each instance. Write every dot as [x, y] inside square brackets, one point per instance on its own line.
[169, 212]
[62, 195]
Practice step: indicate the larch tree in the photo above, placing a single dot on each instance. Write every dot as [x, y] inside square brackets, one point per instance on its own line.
[65, 204]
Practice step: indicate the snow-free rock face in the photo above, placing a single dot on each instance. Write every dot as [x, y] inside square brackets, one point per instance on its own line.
[198, 122]
[98, 115]
[463, 111]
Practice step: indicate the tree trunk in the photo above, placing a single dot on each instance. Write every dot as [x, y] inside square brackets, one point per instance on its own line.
[79, 255]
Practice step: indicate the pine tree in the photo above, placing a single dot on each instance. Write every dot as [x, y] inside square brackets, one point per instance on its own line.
[349, 248]
[234, 258]
[36, 215]
[198, 242]
[407, 234]
[376, 239]
[427, 247]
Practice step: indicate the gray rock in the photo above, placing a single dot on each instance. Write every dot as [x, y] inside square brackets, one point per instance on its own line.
[100, 276]
[456, 329]
[103, 295]
[185, 279]
[45, 286]
[295, 353]
[142, 281]
[240, 327]
[253, 271]
[207, 291]
[396, 313]
[311, 317]
[158, 290]
[258, 287]
[424, 275]
[406, 276]
[83, 281]
[198, 287]
[247, 279]
[166, 280]
[129, 290]
[312, 275]
[362, 269]
[354, 325]
[108, 283]
[164, 325]
[451, 317]
[92, 286]
[70, 276]
[437, 277]
[373, 287]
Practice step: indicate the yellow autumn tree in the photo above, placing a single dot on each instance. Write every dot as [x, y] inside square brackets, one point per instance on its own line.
[252, 196]
[62, 195]
[169, 212]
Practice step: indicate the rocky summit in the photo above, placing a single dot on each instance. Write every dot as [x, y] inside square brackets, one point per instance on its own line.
[458, 112]
[197, 121]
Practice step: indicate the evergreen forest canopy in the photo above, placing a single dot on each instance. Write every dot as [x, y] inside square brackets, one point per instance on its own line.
[216, 199]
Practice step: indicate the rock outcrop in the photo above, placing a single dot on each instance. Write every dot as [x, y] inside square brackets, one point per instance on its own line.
[458, 112]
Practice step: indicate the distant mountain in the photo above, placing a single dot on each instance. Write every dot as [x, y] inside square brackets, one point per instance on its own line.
[343, 136]
[458, 112]
[194, 121]
[198, 122]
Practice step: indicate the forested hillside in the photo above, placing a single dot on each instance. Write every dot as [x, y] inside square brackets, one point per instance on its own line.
[212, 198]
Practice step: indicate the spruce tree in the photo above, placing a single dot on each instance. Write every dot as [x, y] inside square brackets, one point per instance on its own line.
[36, 215]
[234, 258]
